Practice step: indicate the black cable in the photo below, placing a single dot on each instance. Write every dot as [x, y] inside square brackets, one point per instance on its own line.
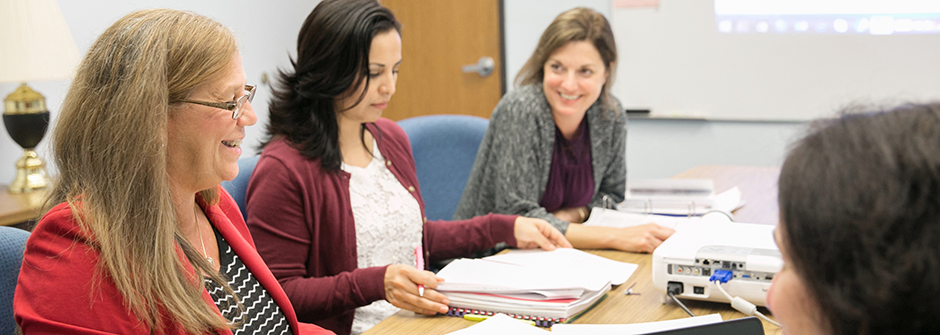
[686, 309]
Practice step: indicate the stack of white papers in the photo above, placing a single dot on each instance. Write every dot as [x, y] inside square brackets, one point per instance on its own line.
[553, 285]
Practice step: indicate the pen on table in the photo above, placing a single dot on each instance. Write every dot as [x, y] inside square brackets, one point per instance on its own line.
[629, 290]
[477, 317]
[419, 263]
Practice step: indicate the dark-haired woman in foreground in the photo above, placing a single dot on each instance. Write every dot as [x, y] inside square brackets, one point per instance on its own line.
[860, 226]
[334, 201]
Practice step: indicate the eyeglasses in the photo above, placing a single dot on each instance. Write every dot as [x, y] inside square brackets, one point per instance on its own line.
[237, 106]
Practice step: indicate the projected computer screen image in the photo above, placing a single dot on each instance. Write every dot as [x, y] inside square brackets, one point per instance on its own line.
[778, 60]
[828, 17]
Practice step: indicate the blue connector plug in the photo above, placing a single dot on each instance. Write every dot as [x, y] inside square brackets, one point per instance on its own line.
[722, 276]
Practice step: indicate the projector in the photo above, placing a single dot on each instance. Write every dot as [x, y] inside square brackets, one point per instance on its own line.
[688, 258]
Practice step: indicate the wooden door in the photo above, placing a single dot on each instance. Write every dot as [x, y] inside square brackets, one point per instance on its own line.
[438, 38]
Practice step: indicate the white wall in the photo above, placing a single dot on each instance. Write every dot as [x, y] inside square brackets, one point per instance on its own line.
[267, 32]
[661, 148]
[656, 148]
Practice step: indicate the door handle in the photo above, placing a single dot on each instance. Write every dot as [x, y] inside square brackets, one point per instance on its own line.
[483, 67]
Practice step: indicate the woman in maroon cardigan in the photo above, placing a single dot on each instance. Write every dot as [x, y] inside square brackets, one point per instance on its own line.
[334, 201]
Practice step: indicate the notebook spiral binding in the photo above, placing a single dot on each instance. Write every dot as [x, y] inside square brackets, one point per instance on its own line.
[539, 321]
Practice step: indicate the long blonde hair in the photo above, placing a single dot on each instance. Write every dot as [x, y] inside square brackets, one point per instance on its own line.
[110, 148]
[578, 24]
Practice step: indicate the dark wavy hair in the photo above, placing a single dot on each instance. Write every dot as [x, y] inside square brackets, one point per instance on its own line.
[860, 206]
[332, 56]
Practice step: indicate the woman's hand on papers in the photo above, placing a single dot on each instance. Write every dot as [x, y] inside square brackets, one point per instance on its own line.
[533, 233]
[401, 290]
[643, 238]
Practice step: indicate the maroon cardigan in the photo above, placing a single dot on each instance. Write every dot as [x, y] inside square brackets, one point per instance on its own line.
[60, 268]
[303, 221]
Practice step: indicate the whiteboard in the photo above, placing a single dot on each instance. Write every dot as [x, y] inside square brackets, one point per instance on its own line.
[674, 62]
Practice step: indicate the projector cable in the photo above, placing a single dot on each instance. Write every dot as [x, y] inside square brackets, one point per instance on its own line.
[673, 288]
[738, 303]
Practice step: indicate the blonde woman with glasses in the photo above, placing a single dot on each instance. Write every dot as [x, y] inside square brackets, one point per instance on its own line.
[140, 238]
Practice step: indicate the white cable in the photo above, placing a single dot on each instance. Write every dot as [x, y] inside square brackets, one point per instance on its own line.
[762, 316]
[744, 306]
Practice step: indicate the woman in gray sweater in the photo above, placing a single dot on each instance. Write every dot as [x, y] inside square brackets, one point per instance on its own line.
[555, 145]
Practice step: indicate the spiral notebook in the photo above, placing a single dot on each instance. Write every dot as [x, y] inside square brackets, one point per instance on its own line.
[519, 284]
[544, 313]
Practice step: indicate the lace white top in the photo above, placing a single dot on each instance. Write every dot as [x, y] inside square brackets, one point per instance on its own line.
[388, 227]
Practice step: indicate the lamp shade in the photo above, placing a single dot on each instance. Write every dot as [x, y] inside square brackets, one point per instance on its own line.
[35, 42]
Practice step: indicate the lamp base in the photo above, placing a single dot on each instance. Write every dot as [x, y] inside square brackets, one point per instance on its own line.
[30, 174]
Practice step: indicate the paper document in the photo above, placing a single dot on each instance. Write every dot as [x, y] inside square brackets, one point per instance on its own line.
[500, 324]
[485, 276]
[571, 261]
[619, 219]
[634, 328]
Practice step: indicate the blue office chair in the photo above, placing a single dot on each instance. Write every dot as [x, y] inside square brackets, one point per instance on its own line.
[12, 245]
[444, 147]
[238, 186]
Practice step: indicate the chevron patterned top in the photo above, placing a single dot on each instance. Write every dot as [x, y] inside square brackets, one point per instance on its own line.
[261, 315]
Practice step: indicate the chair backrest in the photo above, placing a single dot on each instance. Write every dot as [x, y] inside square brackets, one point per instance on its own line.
[444, 148]
[238, 186]
[12, 245]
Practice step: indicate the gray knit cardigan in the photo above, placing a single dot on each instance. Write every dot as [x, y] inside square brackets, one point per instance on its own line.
[512, 165]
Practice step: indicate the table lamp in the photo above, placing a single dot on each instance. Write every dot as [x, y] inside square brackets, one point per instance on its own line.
[35, 45]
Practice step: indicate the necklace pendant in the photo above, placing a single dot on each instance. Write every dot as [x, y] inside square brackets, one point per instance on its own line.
[210, 261]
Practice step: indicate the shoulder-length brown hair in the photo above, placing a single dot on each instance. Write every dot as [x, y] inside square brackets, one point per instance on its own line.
[109, 145]
[578, 24]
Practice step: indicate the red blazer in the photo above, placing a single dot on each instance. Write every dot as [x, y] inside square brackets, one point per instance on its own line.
[60, 291]
[302, 219]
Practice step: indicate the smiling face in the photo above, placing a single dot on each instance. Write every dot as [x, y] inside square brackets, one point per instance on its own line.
[384, 59]
[789, 298]
[203, 143]
[574, 77]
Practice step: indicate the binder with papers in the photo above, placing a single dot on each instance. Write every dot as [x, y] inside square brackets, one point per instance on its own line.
[669, 196]
[679, 197]
[520, 284]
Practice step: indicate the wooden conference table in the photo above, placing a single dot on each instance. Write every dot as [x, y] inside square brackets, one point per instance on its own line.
[19, 208]
[758, 188]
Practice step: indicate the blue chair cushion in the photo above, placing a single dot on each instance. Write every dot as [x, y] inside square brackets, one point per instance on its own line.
[12, 245]
[238, 186]
[444, 148]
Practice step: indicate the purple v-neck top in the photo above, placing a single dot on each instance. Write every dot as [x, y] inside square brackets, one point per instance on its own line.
[571, 179]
